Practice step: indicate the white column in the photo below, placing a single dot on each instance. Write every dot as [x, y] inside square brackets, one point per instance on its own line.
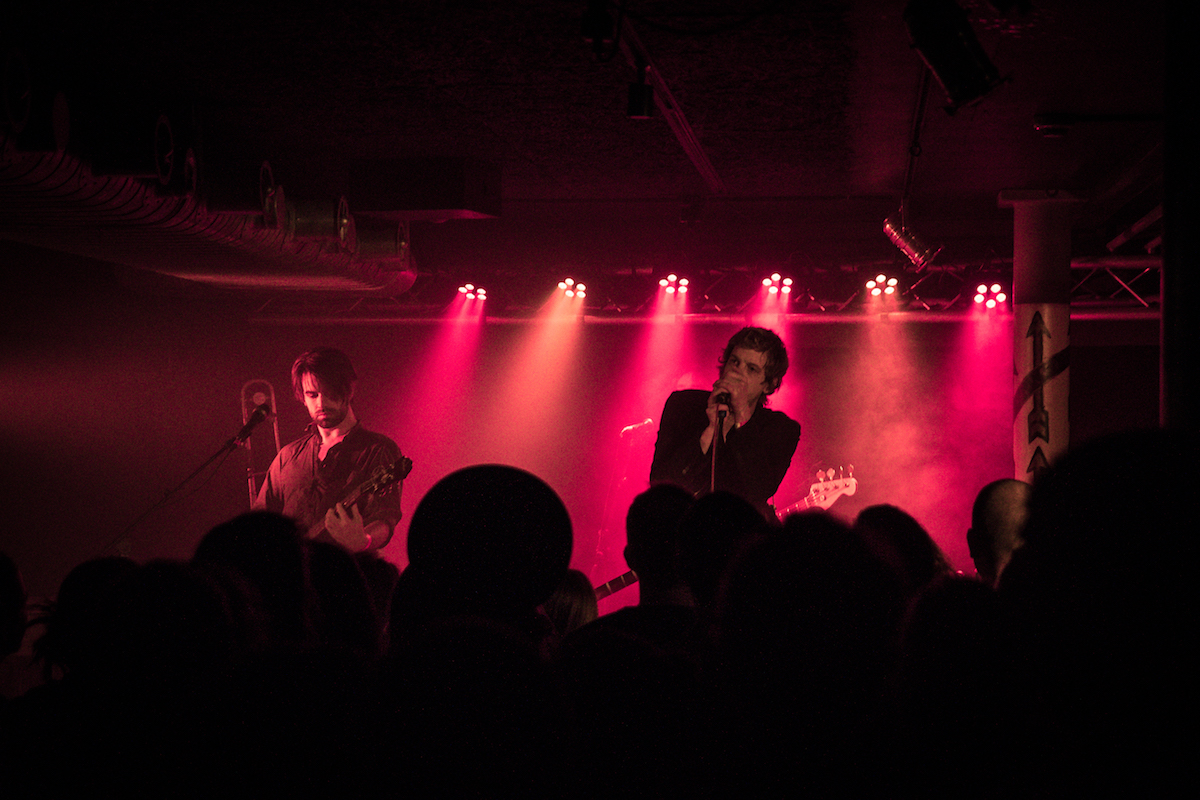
[1041, 294]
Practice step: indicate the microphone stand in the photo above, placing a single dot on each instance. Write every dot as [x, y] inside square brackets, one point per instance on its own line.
[234, 442]
[717, 434]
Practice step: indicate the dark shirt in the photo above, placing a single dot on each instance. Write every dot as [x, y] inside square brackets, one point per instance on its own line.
[751, 461]
[302, 486]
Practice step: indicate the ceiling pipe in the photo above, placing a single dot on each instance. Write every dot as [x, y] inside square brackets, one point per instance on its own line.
[61, 205]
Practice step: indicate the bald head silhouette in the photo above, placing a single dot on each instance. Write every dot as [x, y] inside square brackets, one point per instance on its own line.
[997, 523]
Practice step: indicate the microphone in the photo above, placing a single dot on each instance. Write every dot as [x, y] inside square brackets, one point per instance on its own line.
[261, 412]
[723, 398]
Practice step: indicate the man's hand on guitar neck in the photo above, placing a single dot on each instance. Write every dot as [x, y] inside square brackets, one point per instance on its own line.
[347, 529]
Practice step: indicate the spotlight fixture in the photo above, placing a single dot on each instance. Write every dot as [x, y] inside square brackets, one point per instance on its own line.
[990, 296]
[674, 284]
[777, 284]
[472, 291]
[882, 285]
[909, 243]
[570, 288]
[943, 36]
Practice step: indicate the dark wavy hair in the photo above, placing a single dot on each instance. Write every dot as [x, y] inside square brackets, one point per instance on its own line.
[330, 367]
[767, 343]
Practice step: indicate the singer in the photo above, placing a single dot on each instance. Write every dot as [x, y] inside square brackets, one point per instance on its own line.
[311, 475]
[756, 443]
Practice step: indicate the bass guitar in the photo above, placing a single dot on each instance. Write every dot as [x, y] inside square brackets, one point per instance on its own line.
[381, 478]
[822, 494]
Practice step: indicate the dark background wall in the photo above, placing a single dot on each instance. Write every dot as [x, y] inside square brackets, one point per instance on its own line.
[112, 396]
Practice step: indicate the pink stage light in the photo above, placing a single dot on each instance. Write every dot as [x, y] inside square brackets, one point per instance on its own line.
[571, 288]
[992, 296]
[772, 301]
[882, 285]
[671, 299]
[673, 284]
[776, 284]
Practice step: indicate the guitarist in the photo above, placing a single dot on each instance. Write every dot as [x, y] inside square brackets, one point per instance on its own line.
[755, 443]
[311, 475]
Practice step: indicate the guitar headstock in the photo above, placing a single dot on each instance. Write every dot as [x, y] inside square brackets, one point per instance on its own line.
[387, 474]
[830, 486]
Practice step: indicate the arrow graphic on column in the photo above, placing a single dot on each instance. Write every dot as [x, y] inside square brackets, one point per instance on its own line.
[1039, 418]
[1033, 384]
[1038, 463]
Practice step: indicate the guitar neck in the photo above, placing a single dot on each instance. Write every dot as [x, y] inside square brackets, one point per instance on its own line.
[351, 500]
[354, 498]
[616, 585]
[803, 505]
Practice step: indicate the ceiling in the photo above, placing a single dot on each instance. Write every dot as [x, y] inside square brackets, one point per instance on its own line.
[413, 146]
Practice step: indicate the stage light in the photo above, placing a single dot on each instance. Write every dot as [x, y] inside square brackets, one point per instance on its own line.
[571, 288]
[673, 284]
[909, 243]
[776, 284]
[882, 285]
[990, 296]
[917, 251]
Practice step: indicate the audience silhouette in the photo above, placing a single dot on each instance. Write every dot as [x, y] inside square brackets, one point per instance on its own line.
[997, 529]
[809, 657]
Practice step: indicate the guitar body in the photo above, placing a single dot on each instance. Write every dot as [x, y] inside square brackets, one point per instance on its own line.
[383, 477]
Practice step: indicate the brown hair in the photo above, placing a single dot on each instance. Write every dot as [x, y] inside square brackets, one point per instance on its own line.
[767, 343]
[330, 367]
